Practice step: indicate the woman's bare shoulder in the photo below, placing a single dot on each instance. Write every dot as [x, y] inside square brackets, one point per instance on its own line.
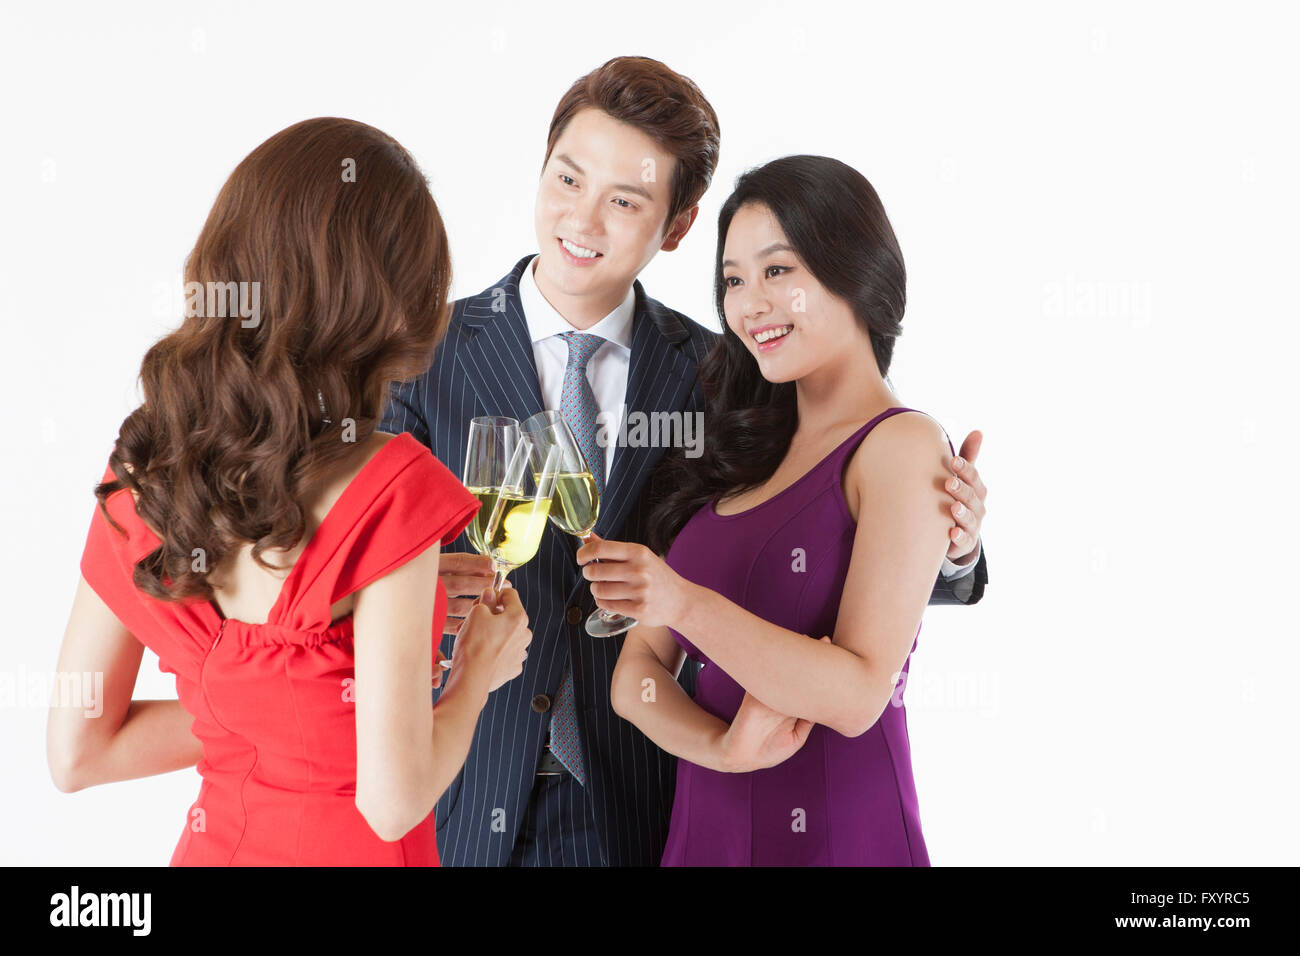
[902, 447]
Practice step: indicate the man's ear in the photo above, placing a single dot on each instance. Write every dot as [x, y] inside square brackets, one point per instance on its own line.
[679, 229]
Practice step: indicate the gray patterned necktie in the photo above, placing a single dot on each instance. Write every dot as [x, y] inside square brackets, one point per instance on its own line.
[579, 409]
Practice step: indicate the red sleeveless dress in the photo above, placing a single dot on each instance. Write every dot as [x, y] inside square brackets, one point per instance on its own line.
[273, 703]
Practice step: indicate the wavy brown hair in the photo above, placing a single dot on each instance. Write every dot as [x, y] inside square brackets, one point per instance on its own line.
[334, 220]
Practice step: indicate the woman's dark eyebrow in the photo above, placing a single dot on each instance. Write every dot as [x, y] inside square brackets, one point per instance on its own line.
[774, 247]
[624, 187]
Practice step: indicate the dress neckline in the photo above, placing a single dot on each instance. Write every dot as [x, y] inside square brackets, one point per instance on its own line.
[353, 487]
[713, 505]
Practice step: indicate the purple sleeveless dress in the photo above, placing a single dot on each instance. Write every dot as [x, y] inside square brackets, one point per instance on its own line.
[839, 801]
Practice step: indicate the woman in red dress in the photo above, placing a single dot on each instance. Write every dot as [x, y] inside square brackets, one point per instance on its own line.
[277, 553]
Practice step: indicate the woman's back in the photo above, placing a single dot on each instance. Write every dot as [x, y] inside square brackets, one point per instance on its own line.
[273, 698]
[247, 591]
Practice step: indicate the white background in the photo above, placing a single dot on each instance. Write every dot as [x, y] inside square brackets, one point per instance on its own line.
[1097, 208]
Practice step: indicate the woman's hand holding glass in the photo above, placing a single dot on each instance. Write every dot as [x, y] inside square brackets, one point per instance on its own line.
[493, 641]
[631, 579]
[577, 499]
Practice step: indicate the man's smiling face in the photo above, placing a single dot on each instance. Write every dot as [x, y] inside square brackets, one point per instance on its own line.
[600, 215]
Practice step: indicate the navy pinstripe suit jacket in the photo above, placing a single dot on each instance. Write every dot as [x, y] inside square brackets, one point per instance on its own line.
[485, 366]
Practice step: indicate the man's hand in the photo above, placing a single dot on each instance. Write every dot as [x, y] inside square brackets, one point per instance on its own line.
[464, 576]
[968, 509]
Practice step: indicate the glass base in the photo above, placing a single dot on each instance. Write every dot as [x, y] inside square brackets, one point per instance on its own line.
[605, 624]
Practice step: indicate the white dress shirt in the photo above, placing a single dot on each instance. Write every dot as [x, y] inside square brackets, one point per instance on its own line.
[606, 369]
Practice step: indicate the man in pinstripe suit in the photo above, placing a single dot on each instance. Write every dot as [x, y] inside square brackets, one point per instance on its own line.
[600, 219]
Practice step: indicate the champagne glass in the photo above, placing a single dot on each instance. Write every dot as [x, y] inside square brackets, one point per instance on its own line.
[492, 440]
[577, 500]
[515, 519]
[518, 518]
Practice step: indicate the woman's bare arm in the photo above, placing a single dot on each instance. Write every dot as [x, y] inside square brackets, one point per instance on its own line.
[408, 750]
[96, 732]
[644, 691]
[901, 539]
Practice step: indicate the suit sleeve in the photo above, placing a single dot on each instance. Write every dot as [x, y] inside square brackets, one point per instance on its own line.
[405, 411]
[967, 589]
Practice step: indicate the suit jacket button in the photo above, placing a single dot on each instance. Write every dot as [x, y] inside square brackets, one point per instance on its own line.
[541, 703]
[573, 615]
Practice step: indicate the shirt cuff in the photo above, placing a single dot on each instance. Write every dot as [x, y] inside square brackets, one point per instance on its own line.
[951, 572]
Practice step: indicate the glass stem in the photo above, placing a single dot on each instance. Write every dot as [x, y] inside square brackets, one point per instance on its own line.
[499, 581]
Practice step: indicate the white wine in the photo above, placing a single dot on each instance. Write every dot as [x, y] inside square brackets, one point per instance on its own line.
[519, 531]
[576, 503]
[487, 499]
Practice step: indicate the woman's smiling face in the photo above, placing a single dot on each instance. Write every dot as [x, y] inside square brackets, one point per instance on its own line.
[789, 322]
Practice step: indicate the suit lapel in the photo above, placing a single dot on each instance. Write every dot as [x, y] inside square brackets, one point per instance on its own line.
[659, 379]
[497, 360]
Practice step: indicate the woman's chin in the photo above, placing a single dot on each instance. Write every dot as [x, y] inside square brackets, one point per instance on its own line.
[774, 371]
[775, 375]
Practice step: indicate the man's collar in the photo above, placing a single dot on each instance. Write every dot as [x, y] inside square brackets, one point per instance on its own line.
[544, 321]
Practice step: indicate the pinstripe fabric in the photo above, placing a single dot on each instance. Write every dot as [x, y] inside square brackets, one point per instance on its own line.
[485, 366]
[560, 830]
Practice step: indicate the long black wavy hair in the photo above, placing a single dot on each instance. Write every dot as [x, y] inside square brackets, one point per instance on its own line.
[837, 225]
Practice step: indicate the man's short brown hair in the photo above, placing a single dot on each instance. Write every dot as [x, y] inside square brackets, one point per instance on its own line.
[663, 104]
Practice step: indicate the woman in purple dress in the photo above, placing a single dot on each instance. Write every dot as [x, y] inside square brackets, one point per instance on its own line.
[802, 555]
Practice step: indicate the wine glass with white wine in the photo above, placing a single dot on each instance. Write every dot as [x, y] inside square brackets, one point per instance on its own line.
[492, 440]
[508, 526]
[514, 526]
[576, 505]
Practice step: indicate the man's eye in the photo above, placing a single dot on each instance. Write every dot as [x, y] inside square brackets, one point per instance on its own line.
[568, 180]
[626, 204]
